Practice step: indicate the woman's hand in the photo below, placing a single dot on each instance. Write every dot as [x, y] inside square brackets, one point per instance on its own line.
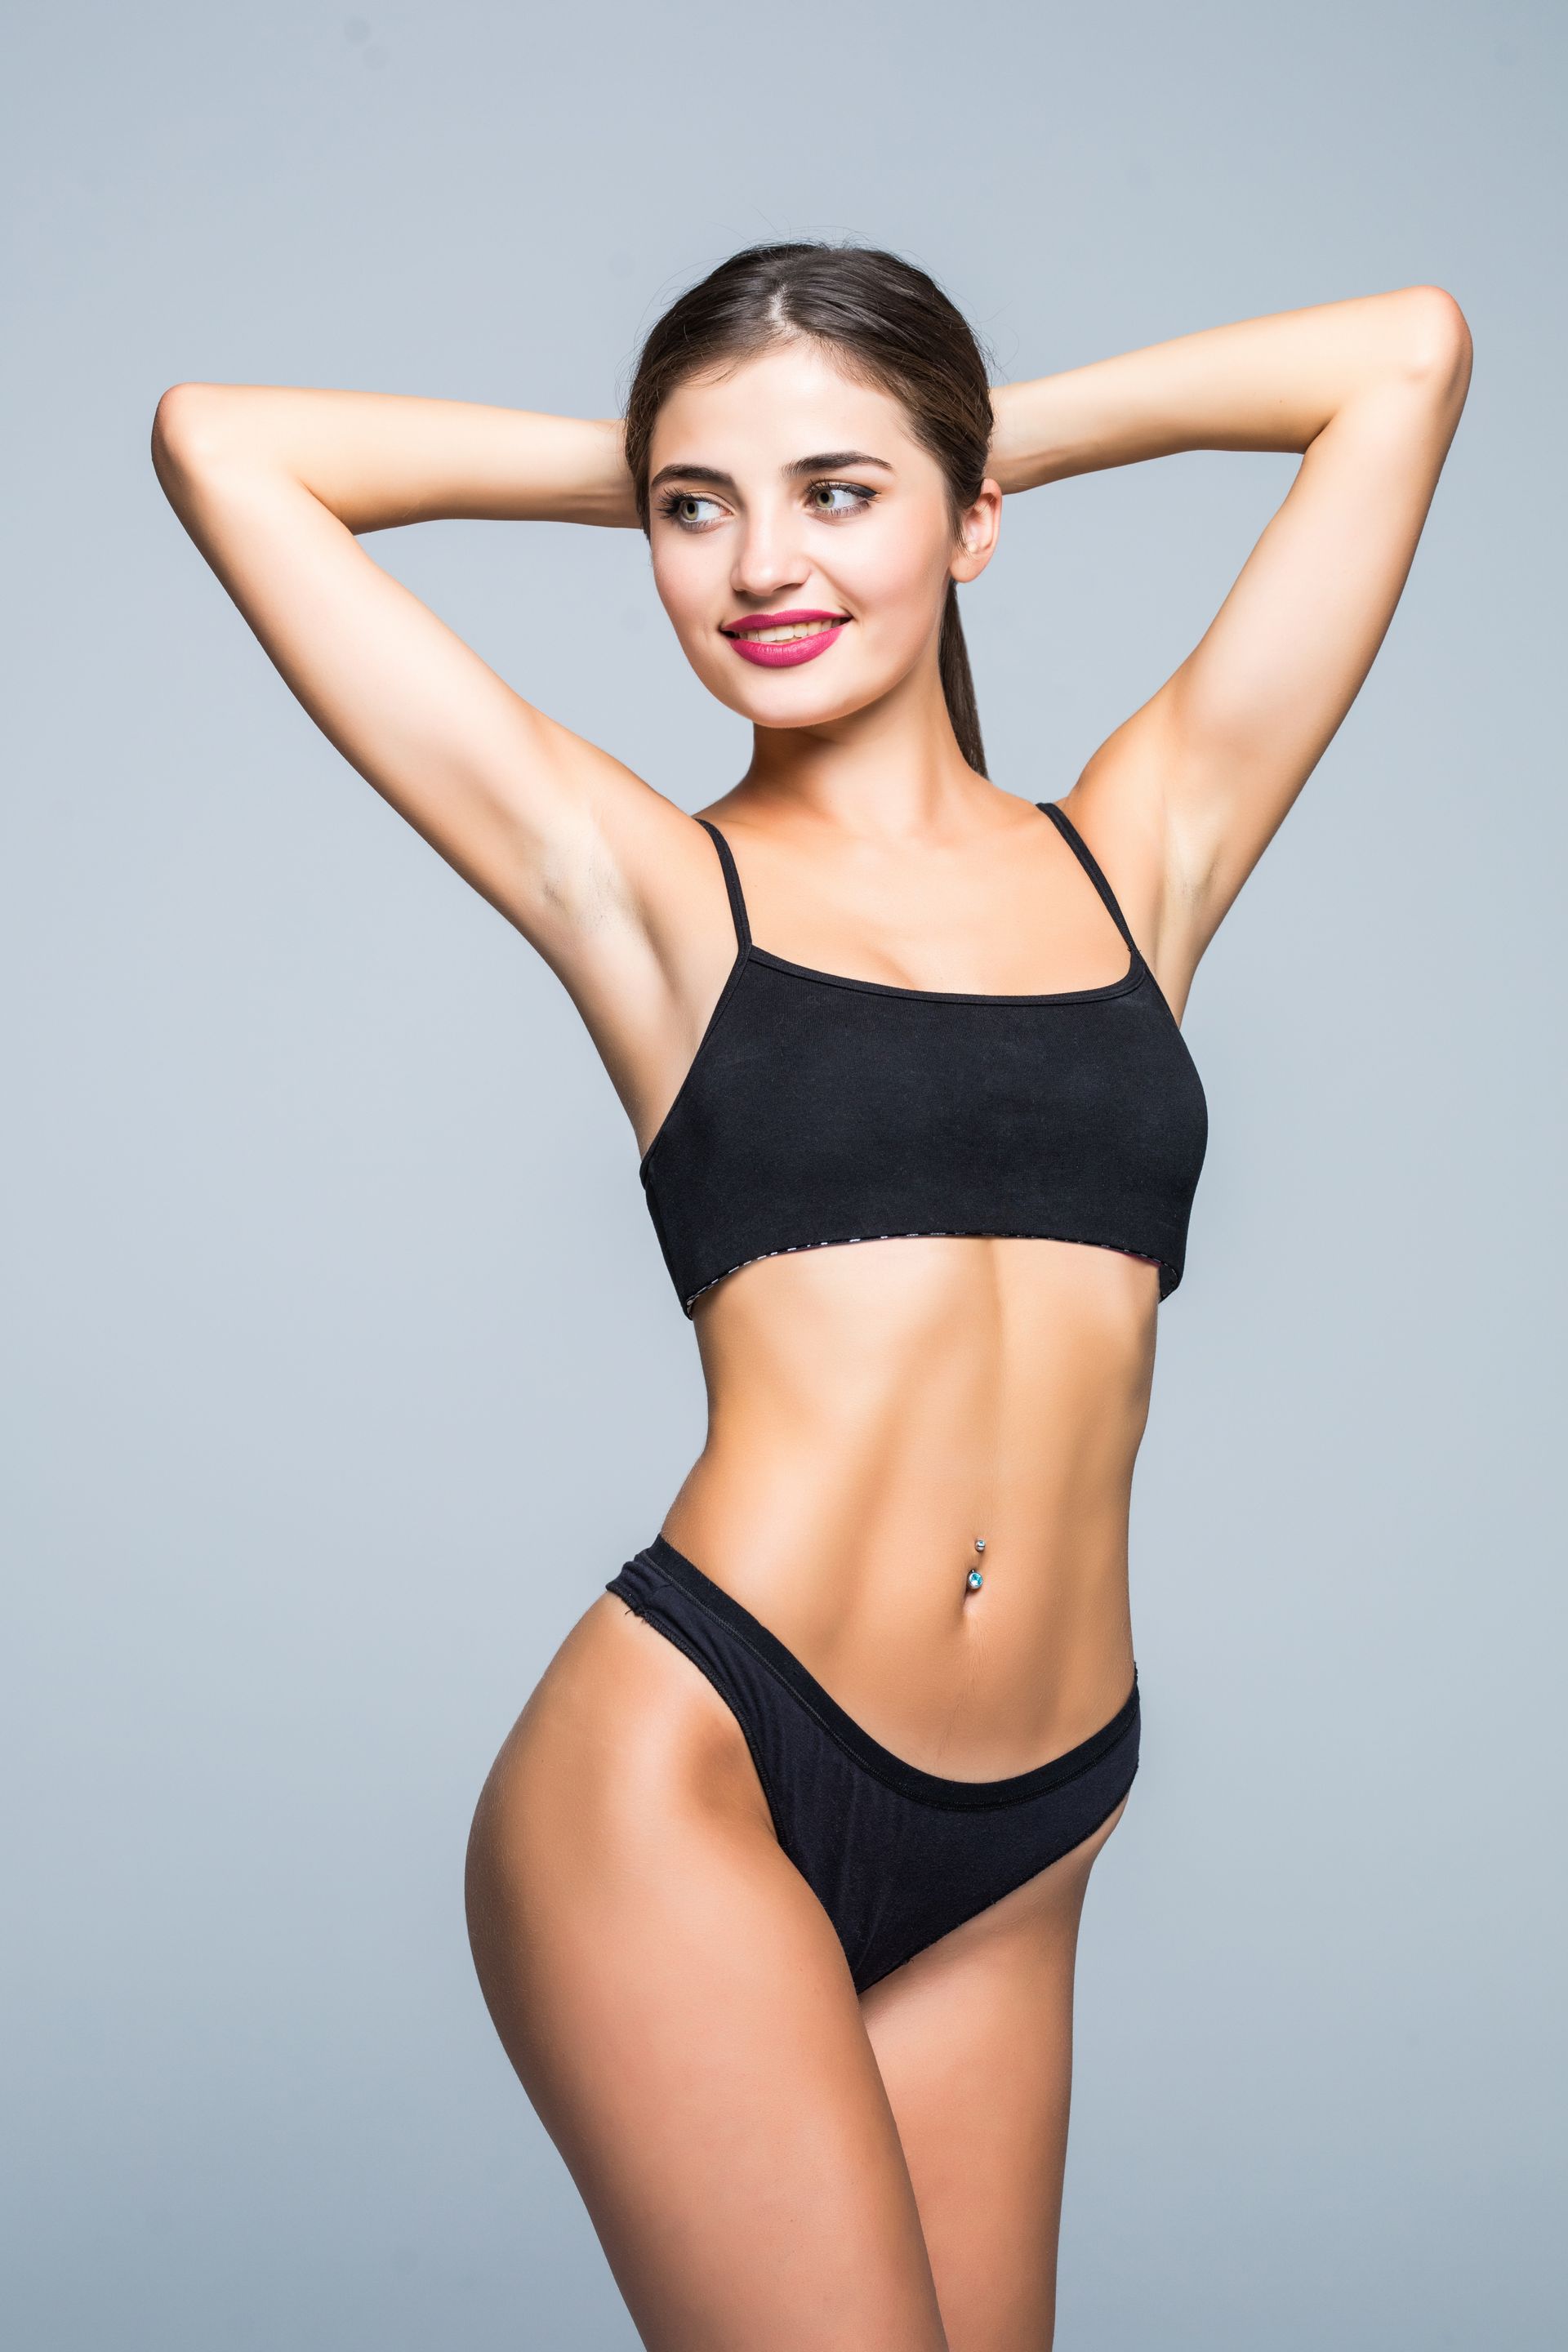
[1180, 803]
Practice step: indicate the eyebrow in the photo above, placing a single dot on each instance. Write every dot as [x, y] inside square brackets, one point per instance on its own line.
[823, 462]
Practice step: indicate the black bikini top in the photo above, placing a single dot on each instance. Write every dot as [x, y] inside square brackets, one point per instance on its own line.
[820, 1110]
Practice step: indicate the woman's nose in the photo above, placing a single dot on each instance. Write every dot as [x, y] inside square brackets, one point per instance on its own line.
[769, 557]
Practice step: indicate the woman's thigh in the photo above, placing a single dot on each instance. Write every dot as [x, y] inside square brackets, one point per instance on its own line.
[973, 2040]
[678, 2009]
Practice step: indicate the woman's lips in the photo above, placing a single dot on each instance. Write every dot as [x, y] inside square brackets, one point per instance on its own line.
[812, 634]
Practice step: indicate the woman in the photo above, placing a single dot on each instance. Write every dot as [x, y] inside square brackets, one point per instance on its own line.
[774, 1886]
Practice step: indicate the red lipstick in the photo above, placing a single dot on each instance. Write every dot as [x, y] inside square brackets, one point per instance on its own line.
[788, 652]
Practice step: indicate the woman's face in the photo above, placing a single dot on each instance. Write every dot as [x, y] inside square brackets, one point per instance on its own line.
[786, 489]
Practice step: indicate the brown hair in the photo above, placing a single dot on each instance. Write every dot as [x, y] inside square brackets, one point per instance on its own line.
[890, 325]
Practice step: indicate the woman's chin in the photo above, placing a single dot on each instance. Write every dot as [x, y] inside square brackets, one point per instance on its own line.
[793, 697]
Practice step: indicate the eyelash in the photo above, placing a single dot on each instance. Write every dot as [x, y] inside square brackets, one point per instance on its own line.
[673, 500]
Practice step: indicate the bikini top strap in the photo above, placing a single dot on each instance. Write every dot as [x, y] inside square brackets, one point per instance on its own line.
[1080, 849]
[733, 884]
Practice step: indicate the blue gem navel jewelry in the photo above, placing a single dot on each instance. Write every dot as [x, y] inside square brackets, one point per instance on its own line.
[974, 1580]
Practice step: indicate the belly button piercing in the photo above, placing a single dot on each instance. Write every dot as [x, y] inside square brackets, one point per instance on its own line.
[974, 1580]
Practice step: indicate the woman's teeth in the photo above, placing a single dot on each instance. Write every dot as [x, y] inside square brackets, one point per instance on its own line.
[782, 636]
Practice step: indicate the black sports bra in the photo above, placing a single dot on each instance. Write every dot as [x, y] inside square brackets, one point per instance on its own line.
[820, 1110]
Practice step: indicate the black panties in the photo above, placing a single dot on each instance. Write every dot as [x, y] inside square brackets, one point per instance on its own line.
[896, 1856]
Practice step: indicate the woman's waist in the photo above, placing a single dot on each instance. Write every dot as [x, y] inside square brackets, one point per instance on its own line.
[972, 1640]
[894, 1472]
[918, 1476]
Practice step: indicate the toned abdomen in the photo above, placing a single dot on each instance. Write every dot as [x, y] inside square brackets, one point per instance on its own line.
[876, 1408]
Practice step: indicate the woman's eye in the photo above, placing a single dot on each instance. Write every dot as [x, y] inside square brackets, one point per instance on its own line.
[690, 509]
[839, 498]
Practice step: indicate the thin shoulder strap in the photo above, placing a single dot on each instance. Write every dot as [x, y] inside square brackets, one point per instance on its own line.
[1080, 849]
[733, 884]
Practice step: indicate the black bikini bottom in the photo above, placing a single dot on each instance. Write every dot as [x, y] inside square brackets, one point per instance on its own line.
[896, 1856]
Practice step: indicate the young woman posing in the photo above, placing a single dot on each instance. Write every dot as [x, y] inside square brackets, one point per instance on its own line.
[774, 1886]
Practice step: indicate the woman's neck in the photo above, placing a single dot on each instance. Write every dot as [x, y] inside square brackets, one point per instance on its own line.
[890, 770]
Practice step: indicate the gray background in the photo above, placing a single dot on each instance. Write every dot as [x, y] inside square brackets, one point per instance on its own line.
[343, 1365]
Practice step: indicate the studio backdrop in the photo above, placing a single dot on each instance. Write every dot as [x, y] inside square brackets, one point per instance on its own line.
[341, 1366]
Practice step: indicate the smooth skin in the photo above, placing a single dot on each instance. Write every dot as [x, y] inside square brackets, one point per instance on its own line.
[771, 2162]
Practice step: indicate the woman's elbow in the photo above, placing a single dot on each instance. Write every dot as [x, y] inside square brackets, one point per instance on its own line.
[190, 428]
[1439, 350]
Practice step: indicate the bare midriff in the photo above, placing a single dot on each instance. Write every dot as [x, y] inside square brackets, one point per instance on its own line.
[874, 1410]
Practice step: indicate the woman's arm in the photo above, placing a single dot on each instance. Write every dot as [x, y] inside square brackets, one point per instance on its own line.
[377, 459]
[1186, 796]
[586, 858]
[274, 485]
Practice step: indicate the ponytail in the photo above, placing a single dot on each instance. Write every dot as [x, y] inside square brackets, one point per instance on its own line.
[958, 683]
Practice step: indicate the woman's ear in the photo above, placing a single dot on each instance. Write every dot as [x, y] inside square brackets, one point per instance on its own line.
[980, 525]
